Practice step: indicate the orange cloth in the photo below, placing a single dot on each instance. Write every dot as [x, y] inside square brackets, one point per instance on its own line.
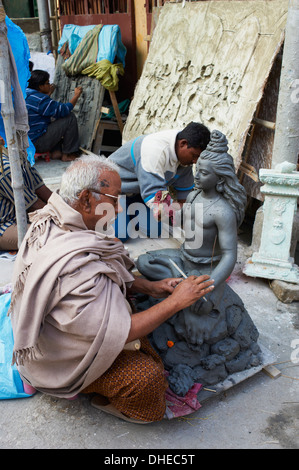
[135, 384]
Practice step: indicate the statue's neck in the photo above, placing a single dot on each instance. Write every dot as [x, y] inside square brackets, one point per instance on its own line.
[209, 195]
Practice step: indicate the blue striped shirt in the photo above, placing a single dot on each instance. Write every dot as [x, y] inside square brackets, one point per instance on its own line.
[32, 181]
[41, 108]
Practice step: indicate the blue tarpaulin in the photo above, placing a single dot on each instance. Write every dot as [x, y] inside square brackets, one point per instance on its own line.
[21, 52]
[11, 385]
[110, 46]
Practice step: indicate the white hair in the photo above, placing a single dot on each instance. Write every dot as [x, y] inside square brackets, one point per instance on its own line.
[84, 173]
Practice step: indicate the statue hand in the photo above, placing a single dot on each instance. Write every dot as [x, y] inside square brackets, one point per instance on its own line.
[199, 324]
[193, 328]
[202, 307]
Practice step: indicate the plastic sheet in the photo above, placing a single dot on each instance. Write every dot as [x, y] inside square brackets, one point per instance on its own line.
[21, 52]
[110, 45]
[11, 384]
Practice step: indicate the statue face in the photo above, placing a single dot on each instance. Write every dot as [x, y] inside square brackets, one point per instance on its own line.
[205, 177]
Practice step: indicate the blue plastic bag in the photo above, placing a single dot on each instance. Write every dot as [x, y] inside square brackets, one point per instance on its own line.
[11, 385]
[21, 52]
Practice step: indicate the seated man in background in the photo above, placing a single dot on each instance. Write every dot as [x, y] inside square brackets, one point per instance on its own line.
[36, 196]
[71, 319]
[53, 126]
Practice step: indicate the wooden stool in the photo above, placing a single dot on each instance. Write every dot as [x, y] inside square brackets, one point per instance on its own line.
[98, 142]
[45, 155]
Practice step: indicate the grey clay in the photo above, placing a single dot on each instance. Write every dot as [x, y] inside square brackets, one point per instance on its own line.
[213, 338]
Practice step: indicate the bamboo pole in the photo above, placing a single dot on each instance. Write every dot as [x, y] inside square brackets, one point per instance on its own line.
[8, 114]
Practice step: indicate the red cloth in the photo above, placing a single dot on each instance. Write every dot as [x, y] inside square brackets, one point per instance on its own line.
[182, 406]
[162, 203]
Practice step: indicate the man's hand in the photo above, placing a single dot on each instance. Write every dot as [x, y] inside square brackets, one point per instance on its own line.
[160, 289]
[184, 294]
[77, 93]
[192, 289]
[157, 289]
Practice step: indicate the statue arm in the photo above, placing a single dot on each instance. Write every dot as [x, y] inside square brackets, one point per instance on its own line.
[227, 241]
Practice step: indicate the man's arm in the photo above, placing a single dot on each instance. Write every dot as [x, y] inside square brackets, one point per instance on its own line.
[43, 193]
[185, 294]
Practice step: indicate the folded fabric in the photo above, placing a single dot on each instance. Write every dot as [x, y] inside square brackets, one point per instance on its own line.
[110, 45]
[106, 73]
[85, 54]
[182, 406]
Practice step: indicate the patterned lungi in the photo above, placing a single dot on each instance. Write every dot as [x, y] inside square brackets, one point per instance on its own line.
[135, 384]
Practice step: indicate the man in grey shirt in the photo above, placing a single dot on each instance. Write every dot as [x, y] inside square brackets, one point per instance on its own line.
[153, 163]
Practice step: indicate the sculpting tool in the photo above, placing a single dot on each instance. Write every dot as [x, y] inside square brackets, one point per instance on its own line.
[181, 272]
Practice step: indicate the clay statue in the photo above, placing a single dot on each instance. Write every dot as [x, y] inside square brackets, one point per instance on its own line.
[215, 336]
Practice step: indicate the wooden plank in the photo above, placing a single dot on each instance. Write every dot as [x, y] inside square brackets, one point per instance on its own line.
[272, 371]
[99, 135]
[105, 110]
[263, 122]
[116, 110]
[249, 170]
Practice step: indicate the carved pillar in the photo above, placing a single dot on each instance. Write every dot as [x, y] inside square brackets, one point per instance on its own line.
[272, 261]
[286, 139]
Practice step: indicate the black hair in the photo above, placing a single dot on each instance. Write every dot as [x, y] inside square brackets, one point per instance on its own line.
[196, 134]
[31, 64]
[38, 77]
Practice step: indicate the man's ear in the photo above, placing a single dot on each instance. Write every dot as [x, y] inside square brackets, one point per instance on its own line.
[182, 143]
[84, 201]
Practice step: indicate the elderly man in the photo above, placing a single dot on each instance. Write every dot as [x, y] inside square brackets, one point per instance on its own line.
[73, 326]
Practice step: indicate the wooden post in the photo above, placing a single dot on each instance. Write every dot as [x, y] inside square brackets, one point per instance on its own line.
[8, 114]
[116, 110]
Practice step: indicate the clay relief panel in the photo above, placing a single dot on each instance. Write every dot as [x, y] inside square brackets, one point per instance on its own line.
[208, 62]
[87, 109]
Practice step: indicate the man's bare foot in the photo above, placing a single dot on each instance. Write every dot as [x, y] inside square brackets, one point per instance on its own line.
[56, 155]
[68, 157]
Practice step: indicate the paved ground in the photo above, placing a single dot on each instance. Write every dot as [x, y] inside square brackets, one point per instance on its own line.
[258, 413]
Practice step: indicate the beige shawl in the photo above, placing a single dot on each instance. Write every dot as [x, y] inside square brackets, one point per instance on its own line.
[69, 313]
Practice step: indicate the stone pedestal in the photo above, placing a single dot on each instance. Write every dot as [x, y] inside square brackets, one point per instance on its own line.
[273, 261]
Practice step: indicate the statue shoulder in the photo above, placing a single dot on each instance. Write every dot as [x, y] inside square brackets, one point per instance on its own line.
[192, 195]
[225, 211]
